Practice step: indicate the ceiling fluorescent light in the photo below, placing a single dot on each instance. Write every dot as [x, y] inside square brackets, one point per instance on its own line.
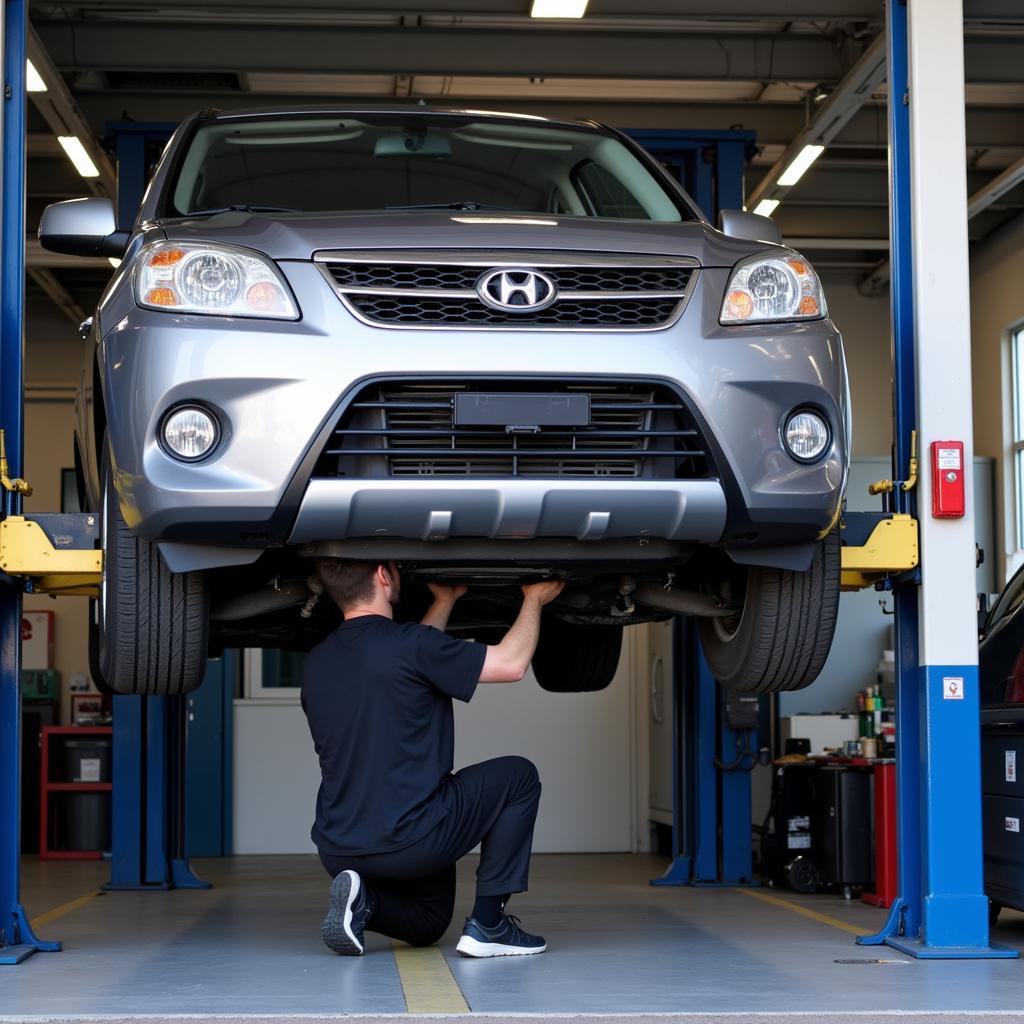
[114, 261]
[766, 207]
[33, 80]
[72, 145]
[558, 8]
[795, 171]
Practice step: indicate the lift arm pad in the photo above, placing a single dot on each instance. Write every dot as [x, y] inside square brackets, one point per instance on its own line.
[56, 553]
[890, 548]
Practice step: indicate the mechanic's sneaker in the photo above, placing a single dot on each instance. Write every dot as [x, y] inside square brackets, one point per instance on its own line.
[342, 929]
[505, 939]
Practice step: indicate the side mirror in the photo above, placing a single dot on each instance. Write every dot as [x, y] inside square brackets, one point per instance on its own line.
[750, 226]
[82, 227]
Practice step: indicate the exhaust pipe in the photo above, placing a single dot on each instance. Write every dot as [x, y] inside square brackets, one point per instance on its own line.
[262, 602]
[682, 602]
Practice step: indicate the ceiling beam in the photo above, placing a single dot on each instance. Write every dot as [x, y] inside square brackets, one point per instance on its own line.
[61, 297]
[817, 10]
[452, 49]
[787, 11]
[61, 113]
[995, 189]
[420, 50]
[835, 113]
[982, 199]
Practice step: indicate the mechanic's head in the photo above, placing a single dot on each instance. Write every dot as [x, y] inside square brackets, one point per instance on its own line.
[353, 584]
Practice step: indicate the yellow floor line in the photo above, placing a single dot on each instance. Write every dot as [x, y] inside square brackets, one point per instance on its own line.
[427, 981]
[806, 911]
[66, 908]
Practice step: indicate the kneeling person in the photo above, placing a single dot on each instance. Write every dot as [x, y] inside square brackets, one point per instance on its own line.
[392, 819]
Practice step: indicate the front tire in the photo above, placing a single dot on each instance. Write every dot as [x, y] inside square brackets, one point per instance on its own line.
[781, 636]
[576, 659]
[149, 630]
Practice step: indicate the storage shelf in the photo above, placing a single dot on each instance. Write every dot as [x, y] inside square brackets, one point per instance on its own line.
[79, 787]
[71, 855]
[49, 788]
[79, 730]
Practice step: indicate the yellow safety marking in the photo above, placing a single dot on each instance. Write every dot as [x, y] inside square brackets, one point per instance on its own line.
[66, 908]
[427, 981]
[806, 911]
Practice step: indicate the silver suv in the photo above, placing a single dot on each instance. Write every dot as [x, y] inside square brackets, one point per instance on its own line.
[491, 348]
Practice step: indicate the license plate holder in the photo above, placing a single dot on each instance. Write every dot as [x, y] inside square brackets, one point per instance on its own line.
[475, 409]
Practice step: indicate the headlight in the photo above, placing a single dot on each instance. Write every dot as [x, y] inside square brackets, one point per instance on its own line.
[193, 277]
[190, 432]
[767, 288]
[806, 435]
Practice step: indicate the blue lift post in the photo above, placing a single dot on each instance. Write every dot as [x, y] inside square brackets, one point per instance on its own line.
[148, 820]
[941, 910]
[17, 941]
[711, 814]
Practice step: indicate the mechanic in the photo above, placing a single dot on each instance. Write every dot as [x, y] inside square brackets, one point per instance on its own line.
[392, 819]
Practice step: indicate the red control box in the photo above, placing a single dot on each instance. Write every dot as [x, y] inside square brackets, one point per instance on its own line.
[948, 495]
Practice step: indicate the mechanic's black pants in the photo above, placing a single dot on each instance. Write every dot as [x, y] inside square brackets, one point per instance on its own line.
[413, 889]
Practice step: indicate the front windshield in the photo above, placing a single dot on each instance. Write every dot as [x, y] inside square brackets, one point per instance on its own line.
[395, 162]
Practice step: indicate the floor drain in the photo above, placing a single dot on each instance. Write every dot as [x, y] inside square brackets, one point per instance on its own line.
[865, 960]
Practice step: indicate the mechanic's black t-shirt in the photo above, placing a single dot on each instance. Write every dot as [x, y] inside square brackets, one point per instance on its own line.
[378, 698]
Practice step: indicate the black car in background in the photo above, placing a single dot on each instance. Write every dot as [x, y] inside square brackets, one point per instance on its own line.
[1001, 679]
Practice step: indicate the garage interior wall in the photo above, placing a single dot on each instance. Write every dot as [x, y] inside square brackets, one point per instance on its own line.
[52, 362]
[997, 305]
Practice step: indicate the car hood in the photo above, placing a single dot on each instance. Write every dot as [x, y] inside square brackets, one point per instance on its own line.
[300, 236]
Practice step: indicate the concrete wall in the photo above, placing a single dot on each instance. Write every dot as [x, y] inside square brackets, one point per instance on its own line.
[52, 356]
[864, 323]
[997, 305]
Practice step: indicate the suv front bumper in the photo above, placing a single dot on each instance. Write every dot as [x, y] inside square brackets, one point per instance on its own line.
[588, 510]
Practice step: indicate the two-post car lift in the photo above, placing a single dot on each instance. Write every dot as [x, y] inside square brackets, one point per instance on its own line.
[941, 910]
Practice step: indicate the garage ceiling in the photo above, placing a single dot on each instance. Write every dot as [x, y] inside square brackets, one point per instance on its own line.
[769, 65]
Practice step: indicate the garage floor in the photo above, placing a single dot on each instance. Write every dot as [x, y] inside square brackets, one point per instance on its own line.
[251, 946]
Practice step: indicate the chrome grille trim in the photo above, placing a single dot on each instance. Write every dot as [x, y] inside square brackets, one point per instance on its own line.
[633, 316]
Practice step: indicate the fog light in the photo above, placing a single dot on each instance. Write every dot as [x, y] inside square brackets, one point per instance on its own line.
[806, 435]
[190, 433]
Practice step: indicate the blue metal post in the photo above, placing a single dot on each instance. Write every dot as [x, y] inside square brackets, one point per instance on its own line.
[148, 819]
[941, 911]
[711, 834]
[694, 776]
[17, 941]
[711, 162]
[126, 832]
[905, 914]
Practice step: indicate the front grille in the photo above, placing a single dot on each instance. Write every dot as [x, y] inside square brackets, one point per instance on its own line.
[407, 429]
[438, 290]
[609, 313]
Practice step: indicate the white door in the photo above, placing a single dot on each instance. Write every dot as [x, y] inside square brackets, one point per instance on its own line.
[580, 742]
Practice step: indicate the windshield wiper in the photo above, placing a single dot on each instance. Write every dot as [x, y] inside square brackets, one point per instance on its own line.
[241, 208]
[462, 204]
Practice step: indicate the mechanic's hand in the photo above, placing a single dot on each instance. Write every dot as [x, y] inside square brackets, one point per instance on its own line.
[544, 592]
[446, 594]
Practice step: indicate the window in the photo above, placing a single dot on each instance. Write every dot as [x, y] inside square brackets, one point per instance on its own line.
[606, 195]
[402, 164]
[272, 674]
[1017, 355]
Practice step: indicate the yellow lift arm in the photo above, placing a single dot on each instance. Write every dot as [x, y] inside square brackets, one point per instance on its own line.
[880, 544]
[55, 554]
